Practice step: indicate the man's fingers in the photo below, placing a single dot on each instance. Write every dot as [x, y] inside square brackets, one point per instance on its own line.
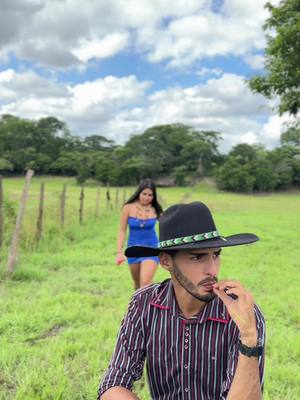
[236, 291]
[221, 285]
[235, 286]
[223, 296]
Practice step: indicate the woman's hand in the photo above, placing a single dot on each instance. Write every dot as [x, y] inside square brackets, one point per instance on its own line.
[120, 258]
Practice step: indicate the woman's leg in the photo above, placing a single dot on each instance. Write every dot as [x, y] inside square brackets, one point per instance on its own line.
[148, 268]
[135, 273]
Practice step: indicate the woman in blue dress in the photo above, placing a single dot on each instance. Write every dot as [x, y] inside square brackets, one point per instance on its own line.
[140, 213]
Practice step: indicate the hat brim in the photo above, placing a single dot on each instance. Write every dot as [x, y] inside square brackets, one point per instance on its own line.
[233, 240]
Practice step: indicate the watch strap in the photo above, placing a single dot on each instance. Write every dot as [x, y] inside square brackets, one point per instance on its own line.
[255, 351]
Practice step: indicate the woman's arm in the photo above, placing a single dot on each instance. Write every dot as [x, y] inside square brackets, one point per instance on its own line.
[122, 233]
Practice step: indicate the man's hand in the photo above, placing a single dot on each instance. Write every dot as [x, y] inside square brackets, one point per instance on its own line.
[241, 308]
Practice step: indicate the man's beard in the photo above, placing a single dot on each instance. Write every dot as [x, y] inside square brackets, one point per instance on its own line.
[191, 288]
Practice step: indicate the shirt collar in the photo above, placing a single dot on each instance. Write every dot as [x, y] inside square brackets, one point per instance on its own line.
[165, 299]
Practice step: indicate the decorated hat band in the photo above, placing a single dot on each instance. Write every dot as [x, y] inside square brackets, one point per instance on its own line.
[188, 239]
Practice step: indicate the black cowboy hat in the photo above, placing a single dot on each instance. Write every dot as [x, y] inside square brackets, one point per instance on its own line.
[188, 226]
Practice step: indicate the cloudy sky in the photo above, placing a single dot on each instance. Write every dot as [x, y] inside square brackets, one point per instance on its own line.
[117, 67]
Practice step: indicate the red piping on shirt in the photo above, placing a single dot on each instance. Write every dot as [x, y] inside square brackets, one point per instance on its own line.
[159, 306]
[225, 321]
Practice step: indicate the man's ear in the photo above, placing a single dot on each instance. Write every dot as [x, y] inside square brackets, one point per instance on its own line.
[166, 261]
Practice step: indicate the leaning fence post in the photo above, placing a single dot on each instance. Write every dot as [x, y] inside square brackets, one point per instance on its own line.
[81, 205]
[14, 249]
[1, 212]
[39, 225]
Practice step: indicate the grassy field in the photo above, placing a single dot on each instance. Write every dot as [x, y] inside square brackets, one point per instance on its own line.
[61, 309]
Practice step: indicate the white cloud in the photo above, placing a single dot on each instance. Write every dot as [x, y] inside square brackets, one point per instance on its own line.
[28, 84]
[275, 126]
[86, 107]
[256, 61]
[104, 48]
[6, 76]
[248, 137]
[204, 72]
[108, 92]
[65, 34]
[234, 31]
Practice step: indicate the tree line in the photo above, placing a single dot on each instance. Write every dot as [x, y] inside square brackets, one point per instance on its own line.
[169, 154]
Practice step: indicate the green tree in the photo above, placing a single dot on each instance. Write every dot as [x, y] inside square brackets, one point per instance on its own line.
[291, 136]
[234, 176]
[200, 152]
[106, 170]
[247, 168]
[65, 164]
[245, 152]
[282, 163]
[282, 57]
[290, 151]
[296, 169]
[180, 174]
[5, 165]
[97, 142]
[265, 179]
[164, 148]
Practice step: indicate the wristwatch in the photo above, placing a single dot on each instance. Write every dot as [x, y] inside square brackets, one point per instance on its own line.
[250, 351]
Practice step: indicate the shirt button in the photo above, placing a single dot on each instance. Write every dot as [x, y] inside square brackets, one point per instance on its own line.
[186, 347]
[187, 328]
[187, 334]
[186, 366]
[186, 389]
[186, 340]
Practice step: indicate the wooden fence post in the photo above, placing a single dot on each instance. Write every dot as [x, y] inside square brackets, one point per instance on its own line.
[1, 212]
[108, 197]
[97, 203]
[81, 205]
[62, 206]
[117, 199]
[124, 196]
[14, 249]
[39, 225]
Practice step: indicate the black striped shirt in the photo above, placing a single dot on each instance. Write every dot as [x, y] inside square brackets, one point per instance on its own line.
[186, 359]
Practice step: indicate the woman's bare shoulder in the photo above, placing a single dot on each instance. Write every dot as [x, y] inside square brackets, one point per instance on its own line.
[127, 208]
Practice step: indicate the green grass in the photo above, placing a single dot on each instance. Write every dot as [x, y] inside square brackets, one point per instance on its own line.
[61, 309]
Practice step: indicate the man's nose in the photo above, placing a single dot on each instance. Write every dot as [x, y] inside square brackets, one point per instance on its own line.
[211, 267]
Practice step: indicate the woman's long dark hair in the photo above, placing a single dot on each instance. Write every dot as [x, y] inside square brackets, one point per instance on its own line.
[147, 184]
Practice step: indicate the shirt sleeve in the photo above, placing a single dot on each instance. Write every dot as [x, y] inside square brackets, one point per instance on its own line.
[126, 365]
[234, 354]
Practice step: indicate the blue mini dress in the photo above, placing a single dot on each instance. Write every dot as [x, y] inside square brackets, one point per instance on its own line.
[142, 233]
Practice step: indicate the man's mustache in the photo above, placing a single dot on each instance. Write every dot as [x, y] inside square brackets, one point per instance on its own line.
[209, 279]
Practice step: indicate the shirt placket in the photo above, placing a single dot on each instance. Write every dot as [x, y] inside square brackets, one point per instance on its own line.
[186, 360]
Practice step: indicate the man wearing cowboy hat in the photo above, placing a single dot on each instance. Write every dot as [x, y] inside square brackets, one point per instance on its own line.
[201, 338]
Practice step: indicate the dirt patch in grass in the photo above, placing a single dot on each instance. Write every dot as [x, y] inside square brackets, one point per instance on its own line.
[55, 330]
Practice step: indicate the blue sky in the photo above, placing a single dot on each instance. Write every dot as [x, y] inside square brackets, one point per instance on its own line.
[116, 68]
